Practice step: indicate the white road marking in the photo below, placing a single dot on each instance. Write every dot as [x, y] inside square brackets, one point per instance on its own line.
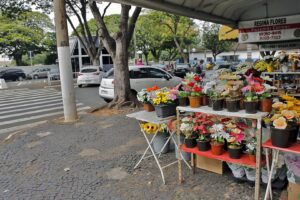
[29, 98]
[26, 126]
[35, 100]
[38, 116]
[34, 112]
[6, 99]
[19, 83]
[28, 93]
[29, 104]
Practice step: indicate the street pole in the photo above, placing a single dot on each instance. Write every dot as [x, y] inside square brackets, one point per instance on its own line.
[30, 57]
[64, 60]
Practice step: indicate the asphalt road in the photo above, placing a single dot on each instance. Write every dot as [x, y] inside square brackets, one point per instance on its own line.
[89, 96]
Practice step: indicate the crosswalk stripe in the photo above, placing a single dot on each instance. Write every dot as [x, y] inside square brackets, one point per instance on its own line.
[28, 93]
[29, 98]
[34, 112]
[32, 108]
[25, 89]
[26, 126]
[35, 100]
[29, 104]
[21, 97]
[38, 116]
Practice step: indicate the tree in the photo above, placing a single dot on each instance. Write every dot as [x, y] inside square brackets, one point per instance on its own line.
[23, 33]
[117, 45]
[182, 29]
[210, 39]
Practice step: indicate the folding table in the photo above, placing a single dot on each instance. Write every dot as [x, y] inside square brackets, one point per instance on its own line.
[143, 116]
[295, 148]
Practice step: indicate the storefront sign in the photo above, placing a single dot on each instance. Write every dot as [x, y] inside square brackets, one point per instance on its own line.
[279, 46]
[270, 29]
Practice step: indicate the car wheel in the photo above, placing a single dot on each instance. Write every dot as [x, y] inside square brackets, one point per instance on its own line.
[20, 78]
[80, 86]
[35, 77]
[107, 100]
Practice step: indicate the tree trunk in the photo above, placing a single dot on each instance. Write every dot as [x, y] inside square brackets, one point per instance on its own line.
[18, 59]
[146, 58]
[185, 58]
[96, 61]
[215, 57]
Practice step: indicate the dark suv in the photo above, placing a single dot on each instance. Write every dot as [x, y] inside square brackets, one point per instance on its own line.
[12, 74]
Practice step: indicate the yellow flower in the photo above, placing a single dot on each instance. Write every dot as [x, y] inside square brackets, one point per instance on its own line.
[289, 114]
[276, 116]
[279, 105]
[280, 123]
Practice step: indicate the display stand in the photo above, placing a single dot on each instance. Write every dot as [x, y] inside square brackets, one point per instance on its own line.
[295, 148]
[143, 116]
[243, 161]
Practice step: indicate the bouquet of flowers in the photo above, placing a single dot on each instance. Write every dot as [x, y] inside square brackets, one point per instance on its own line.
[218, 133]
[253, 88]
[187, 126]
[144, 95]
[202, 124]
[163, 96]
[192, 84]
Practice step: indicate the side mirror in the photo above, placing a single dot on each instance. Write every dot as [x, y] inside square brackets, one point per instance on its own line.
[167, 77]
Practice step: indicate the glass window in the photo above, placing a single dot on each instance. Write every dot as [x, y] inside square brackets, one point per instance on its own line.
[156, 73]
[88, 70]
[139, 73]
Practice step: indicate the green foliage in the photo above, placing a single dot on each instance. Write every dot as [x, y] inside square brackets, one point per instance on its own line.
[22, 34]
[211, 40]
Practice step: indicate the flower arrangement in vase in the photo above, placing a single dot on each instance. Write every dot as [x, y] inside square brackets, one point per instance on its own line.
[202, 124]
[235, 142]
[214, 90]
[218, 136]
[192, 85]
[186, 128]
[251, 148]
[284, 124]
[164, 101]
[265, 97]
[144, 97]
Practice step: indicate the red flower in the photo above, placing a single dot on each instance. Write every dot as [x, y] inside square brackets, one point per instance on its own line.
[197, 89]
[191, 84]
[197, 78]
[258, 79]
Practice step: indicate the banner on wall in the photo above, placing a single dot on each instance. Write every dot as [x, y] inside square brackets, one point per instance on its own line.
[270, 29]
[279, 46]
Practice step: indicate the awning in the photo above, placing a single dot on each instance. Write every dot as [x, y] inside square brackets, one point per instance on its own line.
[227, 12]
[228, 33]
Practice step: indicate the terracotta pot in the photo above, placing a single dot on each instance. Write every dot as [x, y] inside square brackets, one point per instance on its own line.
[265, 105]
[148, 107]
[195, 102]
[205, 100]
[216, 148]
[252, 157]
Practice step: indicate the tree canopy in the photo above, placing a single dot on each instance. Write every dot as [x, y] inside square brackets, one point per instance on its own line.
[24, 33]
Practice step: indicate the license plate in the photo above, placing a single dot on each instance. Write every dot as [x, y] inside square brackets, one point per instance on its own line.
[104, 92]
[88, 81]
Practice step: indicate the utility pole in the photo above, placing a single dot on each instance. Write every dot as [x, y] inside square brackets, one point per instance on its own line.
[64, 60]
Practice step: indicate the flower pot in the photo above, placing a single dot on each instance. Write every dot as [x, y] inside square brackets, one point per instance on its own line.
[217, 104]
[235, 152]
[265, 105]
[209, 102]
[148, 107]
[252, 157]
[233, 105]
[251, 107]
[205, 100]
[158, 143]
[190, 142]
[203, 145]
[280, 137]
[183, 101]
[165, 110]
[216, 148]
[195, 102]
[294, 132]
[242, 105]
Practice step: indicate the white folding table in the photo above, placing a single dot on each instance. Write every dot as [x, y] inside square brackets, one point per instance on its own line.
[150, 117]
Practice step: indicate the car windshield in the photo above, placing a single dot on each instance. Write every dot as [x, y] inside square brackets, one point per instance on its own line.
[109, 73]
[88, 70]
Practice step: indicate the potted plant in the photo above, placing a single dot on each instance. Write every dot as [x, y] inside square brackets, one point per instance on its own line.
[218, 136]
[251, 149]
[217, 100]
[235, 143]
[144, 97]
[164, 102]
[265, 103]
[251, 91]
[192, 84]
[183, 98]
[186, 127]
[202, 123]
[283, 125]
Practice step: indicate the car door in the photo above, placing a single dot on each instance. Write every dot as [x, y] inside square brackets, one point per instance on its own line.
[160, 77]
[139, 79]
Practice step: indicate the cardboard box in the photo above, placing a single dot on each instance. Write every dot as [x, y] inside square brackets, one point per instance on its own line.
[293, 191]
[209, 164]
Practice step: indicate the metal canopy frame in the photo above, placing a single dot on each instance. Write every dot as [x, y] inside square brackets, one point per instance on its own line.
[227, 12]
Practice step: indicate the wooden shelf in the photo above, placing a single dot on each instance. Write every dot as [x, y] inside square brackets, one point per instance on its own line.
[244, 160]
[295, 148]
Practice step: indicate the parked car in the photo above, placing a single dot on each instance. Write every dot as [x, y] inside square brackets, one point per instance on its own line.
[140, 77]
[12, 74]
[89, 76]
[39, 73]
[181, 70]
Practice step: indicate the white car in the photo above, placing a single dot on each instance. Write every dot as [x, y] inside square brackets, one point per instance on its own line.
[89, 76]
[140, 77]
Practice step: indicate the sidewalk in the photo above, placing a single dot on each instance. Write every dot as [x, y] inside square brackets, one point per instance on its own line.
[94, 159]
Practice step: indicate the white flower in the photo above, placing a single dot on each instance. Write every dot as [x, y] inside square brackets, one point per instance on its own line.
[268, 87]
[184, 127]
[267, 78]
[217, 128]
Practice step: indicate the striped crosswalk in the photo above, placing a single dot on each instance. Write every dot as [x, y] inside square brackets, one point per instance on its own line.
[24, 108]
